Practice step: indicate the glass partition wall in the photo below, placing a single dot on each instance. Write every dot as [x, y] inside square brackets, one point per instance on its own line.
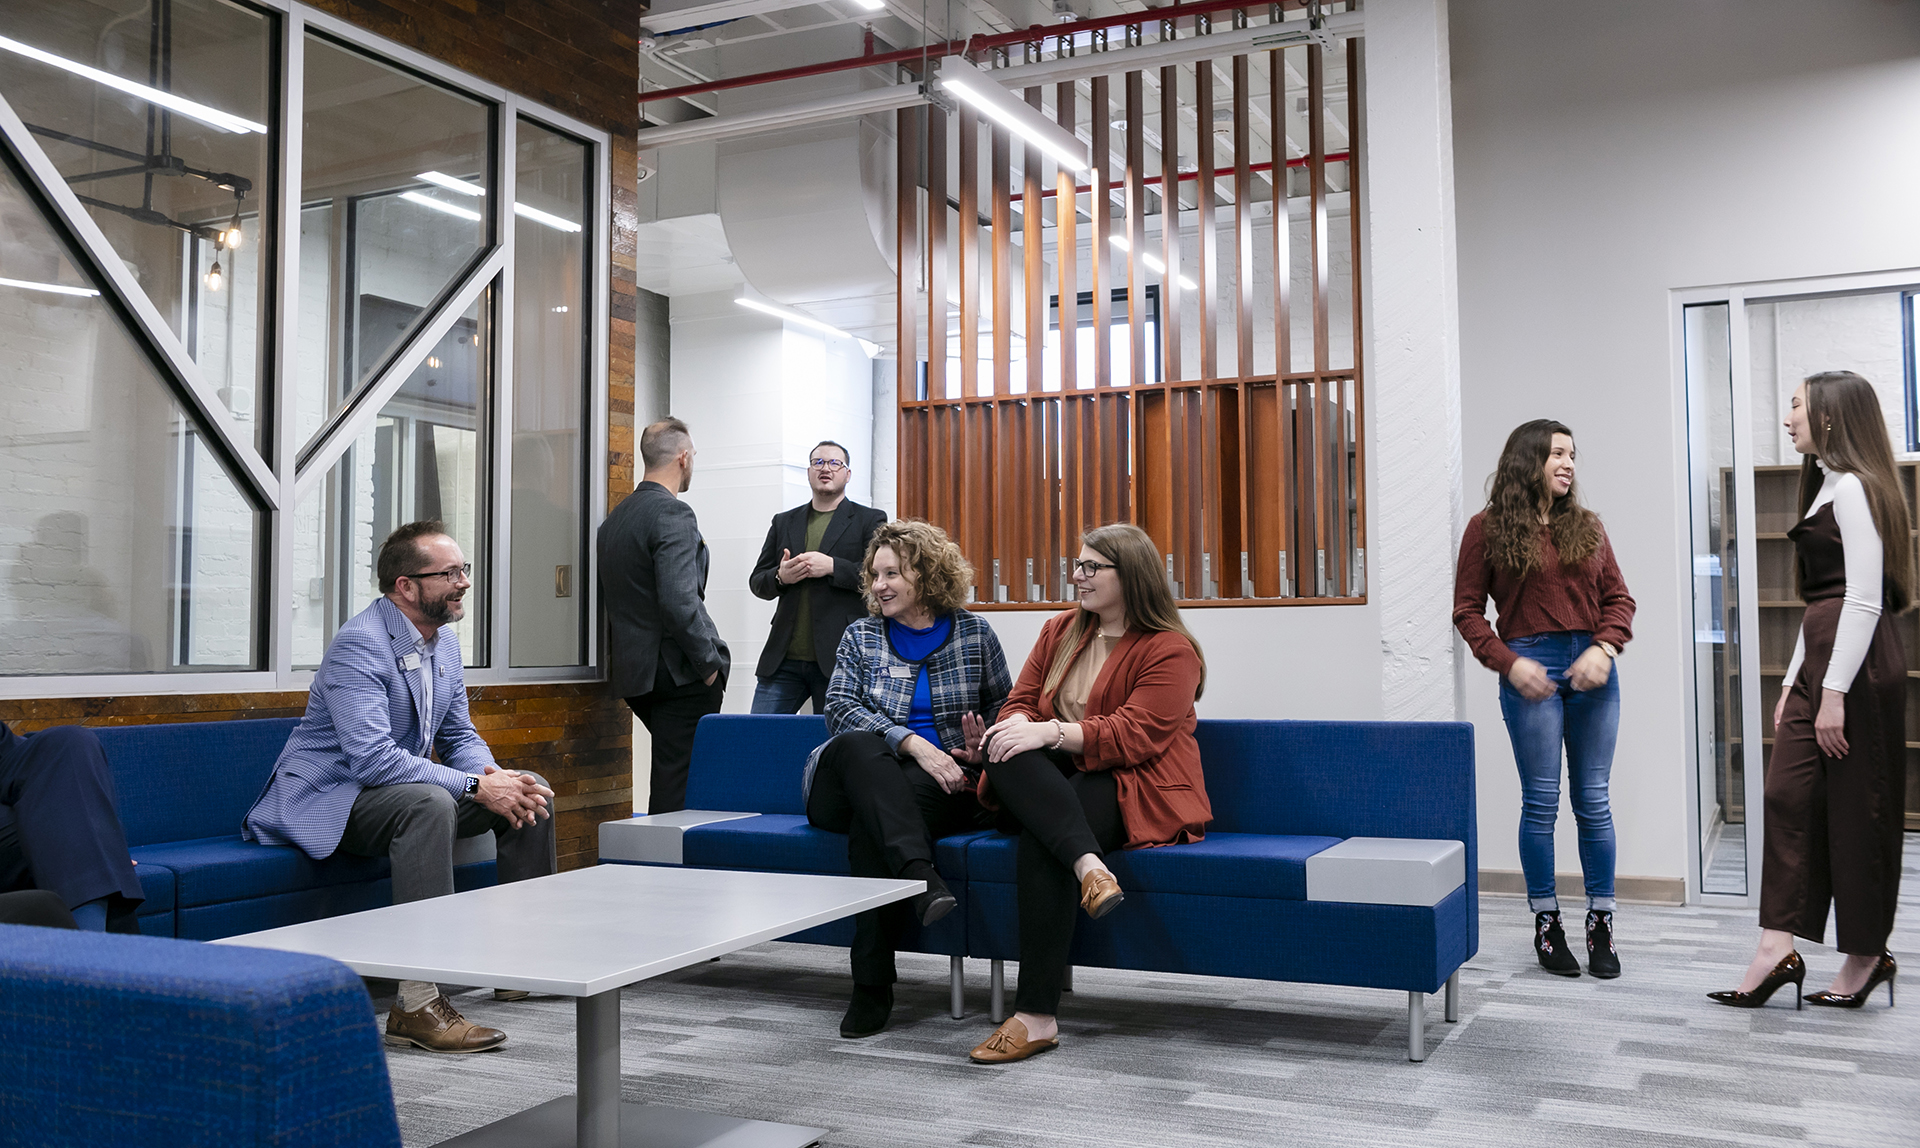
[1744, 351]
[235, 354]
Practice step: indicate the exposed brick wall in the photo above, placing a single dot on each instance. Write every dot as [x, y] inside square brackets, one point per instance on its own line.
[579, 57]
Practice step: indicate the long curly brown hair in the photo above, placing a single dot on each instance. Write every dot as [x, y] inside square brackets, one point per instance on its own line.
[941, 574]
[1518, 496]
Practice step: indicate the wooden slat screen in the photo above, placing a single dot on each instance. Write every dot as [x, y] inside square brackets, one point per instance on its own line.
[1111, 355]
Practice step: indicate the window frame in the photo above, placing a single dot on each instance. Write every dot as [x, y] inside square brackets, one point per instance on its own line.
[275, 478]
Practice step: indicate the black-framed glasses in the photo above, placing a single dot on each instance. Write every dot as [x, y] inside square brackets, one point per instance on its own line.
[1087, 567]
[464, 570]
[830, 465]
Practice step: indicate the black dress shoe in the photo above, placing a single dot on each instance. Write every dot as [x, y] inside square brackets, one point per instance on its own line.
[1790, 971]
[1883, 970]
[1550, 945]
[937, 901]
[867, 1013]
[1602, 960]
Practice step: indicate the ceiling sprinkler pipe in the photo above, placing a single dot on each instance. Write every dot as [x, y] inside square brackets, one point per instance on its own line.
[969, 47]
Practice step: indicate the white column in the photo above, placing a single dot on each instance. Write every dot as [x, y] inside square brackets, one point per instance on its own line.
[1415, 499]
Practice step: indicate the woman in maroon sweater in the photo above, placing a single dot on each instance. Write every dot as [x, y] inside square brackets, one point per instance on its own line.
[1564, 615]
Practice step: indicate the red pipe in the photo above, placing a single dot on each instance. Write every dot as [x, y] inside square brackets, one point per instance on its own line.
[967, 47]
[1302, 161]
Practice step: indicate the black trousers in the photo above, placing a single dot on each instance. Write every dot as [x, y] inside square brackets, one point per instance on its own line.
[58, 827]
[34, 907]
[670, 714]
[891, 811]
[1061, 815]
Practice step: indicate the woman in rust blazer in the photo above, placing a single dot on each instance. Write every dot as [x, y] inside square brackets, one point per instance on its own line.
[1094, 751]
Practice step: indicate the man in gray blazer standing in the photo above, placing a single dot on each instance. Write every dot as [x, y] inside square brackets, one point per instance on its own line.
[666, 656]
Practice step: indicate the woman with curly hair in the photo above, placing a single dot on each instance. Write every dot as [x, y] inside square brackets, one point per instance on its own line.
[1565, 613]
[1835, 779]
[1094, 752]
[914, 686]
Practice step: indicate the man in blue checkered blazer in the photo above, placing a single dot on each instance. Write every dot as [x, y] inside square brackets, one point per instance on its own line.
[359, 773]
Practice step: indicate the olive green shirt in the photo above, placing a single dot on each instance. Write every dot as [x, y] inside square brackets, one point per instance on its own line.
[800, 648]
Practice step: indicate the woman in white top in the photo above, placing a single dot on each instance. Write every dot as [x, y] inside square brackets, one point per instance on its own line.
[1837, 775]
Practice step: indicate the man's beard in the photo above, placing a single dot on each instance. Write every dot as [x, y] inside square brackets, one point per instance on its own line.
[440, 611]
[686, 480]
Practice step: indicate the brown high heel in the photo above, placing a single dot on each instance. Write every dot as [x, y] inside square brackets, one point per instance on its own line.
[1884, 969]
[1790, 971]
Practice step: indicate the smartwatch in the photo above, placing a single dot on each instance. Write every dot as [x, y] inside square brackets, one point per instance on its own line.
[473, 784]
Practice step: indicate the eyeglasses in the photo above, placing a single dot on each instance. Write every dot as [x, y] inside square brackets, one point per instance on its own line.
[830, 465]
[1087, 567]
[464, 570]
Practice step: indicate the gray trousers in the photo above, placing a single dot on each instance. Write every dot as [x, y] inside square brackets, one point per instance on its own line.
[414, 826]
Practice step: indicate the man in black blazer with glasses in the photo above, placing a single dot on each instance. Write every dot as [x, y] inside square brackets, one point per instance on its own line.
[811, 564]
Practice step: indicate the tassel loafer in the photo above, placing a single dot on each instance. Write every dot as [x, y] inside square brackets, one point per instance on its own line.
[1790, 971]
[1099, 893]
[1008, 1043]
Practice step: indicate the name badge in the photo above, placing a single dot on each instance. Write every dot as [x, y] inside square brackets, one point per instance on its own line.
[902, 671]
[410, 662]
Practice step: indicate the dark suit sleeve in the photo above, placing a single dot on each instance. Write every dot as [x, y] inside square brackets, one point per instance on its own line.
[846, 574]
[676, 576]
[763, 581]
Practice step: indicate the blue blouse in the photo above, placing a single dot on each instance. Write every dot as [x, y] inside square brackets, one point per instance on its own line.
[917, 646]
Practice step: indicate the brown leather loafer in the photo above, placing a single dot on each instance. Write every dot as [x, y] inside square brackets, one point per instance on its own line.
[511, 994]
[1009, 1043]
[1100, 894]
[437, 1027]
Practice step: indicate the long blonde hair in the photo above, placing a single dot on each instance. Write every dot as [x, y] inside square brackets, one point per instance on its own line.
[1143, 587]
[1850, 436]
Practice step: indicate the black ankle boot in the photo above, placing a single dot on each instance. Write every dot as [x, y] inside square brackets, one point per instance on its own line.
[867, 1013]
[1602, 961]
[1550, 945]
[937, 901]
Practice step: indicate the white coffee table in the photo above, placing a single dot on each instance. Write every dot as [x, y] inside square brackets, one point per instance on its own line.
[587, 934]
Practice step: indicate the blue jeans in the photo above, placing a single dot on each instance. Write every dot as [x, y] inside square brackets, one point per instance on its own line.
[794, 682]
[1587, 724]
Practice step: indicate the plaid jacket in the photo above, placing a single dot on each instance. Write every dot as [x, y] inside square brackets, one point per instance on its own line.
[872, 686]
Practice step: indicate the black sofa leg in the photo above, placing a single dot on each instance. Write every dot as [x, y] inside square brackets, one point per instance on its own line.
[956, 985]
[1453, 998]
[997, 978]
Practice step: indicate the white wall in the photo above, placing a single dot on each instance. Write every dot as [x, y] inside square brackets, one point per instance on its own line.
[1605, 154]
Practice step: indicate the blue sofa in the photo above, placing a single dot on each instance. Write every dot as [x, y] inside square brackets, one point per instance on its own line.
[182, 791]
[1235, 904]
[148, 1041]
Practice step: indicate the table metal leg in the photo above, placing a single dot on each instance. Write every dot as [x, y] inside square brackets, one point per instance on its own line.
[1453, 997]
[1416, 1026]
[956, 984]
[997, 978]
[597, 1107]
[1066, 980]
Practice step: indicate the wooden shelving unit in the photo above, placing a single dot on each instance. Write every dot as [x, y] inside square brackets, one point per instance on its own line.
[1776, 502]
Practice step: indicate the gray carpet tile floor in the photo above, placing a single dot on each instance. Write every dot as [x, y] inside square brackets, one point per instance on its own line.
[1171, 1061]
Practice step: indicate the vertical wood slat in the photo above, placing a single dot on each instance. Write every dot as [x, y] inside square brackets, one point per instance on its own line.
[1356, 159]
[1204, 463]
[936, 502]
[907, 287]
[1031, 426]
[1317, 242]
[1239, 511]
[1170, 218]
[991, 419]
[1136, 228]
[973, 468]
[1066, 247]
[1288, 540]
[1097, 464]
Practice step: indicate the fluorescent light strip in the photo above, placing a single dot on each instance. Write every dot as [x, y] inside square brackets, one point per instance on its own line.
[212, 117]
[972, 85]
[871, 5]
[53, 288]
[1153, 262]
[442, 179]
[440, 205]
[538, 216]
[868, 345]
